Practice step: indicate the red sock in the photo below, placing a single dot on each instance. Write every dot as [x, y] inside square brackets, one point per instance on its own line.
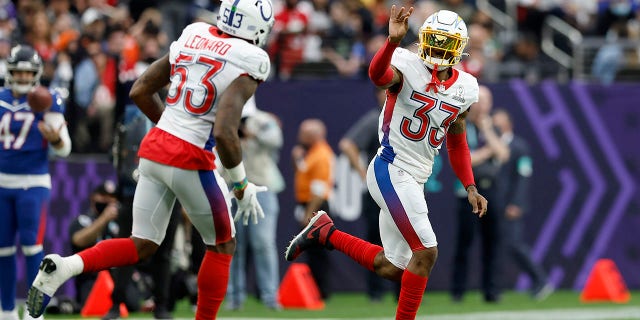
[361, 251]
[212, 284]
[411, 292]
[108, 254]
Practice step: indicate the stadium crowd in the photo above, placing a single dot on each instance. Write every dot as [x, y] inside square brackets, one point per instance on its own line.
[110, 42]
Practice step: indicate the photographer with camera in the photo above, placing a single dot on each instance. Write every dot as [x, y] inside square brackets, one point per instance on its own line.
[95, 225]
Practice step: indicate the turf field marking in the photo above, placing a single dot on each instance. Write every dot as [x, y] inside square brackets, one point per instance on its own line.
[562, 314]
[612, 313]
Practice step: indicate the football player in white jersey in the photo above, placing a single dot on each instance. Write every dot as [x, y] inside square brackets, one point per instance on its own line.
[427, 100]
[212, 71]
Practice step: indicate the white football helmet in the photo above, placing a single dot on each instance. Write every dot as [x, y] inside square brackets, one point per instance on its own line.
[247, 19]
[443, 37]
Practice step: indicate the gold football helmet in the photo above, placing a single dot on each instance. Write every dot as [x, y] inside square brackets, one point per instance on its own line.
[443, 37]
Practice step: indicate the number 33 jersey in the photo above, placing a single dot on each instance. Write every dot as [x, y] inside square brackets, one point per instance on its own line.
[415, 120]
[204, 62]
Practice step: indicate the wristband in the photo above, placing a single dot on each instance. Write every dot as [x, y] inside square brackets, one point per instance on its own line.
[239, 186]
[237, 173]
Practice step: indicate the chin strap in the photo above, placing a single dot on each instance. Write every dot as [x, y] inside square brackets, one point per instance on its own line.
[435, 82]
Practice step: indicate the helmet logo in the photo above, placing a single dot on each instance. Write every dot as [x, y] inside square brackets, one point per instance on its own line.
[269, 10]
[264, 67]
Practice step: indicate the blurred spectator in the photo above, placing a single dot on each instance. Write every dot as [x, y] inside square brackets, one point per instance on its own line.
[483, 53]
[95, 97]
[526, 61]
[65, 39]
[581, 14]
[93, 23]
[614, 12]
[100, 223]
[319, 25]
[462, 8]
[174, 17]
[610, 57]
[532, 13]
[488, 153]
[9, 29]
[97, 224]
[343, 44]
[261, 138]
[66, 46]
[514, 194]
[365, 19]
[26, 9]
[5, 50]
[58, 9]
[149, 27]
[379, 12]
[39, 36]
[475, 61]
[313, 161]
[287, 41]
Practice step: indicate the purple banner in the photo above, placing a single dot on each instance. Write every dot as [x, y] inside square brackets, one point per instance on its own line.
[586, 182]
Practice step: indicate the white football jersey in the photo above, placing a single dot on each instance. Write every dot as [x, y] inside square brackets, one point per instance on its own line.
[414, 121]
[203, 64]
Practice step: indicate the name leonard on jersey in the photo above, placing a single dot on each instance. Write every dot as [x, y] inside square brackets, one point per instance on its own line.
[197, 42]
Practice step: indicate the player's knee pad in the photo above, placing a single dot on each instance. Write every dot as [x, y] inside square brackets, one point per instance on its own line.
[31, 250]
[7, 251]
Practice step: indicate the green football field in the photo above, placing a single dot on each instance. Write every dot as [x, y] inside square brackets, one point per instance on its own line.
[561, 305]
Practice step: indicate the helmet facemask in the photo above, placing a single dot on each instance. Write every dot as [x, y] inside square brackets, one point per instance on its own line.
[441, 48]
[443, 37]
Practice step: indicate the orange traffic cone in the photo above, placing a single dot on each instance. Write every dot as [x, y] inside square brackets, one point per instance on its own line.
[299, 290]
[605, 284]
[99, 300]
[124, 312]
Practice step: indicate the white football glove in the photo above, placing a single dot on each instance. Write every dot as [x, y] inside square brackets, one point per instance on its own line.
[249, 206]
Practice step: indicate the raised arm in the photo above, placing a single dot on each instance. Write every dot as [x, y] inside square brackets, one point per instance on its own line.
[381, 72]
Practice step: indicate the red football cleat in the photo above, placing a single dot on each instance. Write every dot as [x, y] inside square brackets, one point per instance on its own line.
[316, 233]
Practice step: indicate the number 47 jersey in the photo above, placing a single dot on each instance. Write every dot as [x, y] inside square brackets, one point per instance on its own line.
[204, 62]
[415, 119]
[23, 149]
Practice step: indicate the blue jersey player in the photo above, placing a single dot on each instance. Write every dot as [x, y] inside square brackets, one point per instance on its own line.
[25, 139]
